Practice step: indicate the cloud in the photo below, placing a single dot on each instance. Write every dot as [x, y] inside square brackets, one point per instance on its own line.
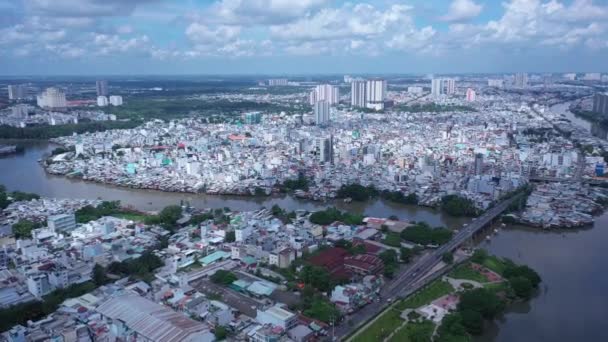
[462, 10]
[360, 21]
[259, 12]
[83, 8]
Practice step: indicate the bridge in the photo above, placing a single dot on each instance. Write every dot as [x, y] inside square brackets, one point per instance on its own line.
[416, 276]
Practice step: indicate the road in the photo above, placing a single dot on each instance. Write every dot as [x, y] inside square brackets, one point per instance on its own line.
[414, 277]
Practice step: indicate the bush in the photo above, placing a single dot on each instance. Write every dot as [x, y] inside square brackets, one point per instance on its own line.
[330, 215]
[223, 277]
[357, 192]
[458, 206]
[522, 287]
[423, 234]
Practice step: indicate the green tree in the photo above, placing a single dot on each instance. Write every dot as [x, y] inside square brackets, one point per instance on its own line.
[170, 215]
[521, 286]
[230, 236]
[472, 321]
[447, 257]
[483, 301]
[23, 228]
[458, 206]
[99, 275]
[405, 254]
[223, 277]
[323, 310]
[451, 328]
[220, 332]
[479, 256]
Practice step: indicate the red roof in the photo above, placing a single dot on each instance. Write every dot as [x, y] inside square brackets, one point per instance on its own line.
[330, 258]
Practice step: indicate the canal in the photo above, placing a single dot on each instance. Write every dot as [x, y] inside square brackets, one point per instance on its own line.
[571, 304]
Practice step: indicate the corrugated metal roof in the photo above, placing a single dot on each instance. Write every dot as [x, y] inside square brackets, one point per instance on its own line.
[154, 321]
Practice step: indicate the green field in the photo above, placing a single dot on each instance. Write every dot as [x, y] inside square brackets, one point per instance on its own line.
[433, 291]
[465, 272]
[413, 332]
[382, 327]
[495, 264]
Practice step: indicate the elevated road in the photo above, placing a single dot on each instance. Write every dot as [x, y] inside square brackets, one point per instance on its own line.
[417, 275]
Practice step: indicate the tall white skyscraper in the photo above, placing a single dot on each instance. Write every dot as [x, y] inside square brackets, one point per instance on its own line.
[52, 98]
[521, 80]
[16, 91]
[321, 113]
[357, 93]
[443, 86]
[325, 92]
[436, 87]
[375, 94]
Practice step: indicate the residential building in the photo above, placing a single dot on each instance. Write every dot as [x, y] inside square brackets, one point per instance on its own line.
[16, 92]
[273, 82]
[326, 149]
[102, 101]
[253, 118]
[116, 100]
[600, 104]
[101, 87]
[52, 98]
[325, 92]
[357, 93]
[471, 95]
[321, 109]
[375, 93]
[443, 86]
[521, 80]
[478, 164]
[277, 316]
[62, 222]
[592, 76]
[38, 284]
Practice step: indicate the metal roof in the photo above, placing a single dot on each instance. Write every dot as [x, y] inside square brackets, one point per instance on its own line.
[153, 321]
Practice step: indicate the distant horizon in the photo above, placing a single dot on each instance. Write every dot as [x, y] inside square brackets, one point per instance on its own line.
[287, 75]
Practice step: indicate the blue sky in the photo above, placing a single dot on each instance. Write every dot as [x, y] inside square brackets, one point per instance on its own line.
[301, 36]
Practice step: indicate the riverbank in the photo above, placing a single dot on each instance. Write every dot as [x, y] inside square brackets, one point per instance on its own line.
[455, 306]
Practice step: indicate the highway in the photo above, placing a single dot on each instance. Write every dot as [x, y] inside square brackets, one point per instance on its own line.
[413, 278]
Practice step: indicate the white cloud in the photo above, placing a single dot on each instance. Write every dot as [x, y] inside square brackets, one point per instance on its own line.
[258, 12]
[361, 21]
[83, 8]
[462, 10]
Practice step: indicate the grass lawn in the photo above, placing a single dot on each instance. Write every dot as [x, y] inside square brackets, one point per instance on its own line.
[130, 216]
[497, 287]
[495, 264]
[381, 328]
[435, 290]
[414, 332]
[465, 272]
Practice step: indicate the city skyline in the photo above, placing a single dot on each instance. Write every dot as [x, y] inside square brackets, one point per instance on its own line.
[92, 37]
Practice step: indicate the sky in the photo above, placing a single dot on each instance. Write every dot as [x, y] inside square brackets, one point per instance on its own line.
[122, 37]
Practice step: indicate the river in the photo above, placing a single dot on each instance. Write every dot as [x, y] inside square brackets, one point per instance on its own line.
[570, 306]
